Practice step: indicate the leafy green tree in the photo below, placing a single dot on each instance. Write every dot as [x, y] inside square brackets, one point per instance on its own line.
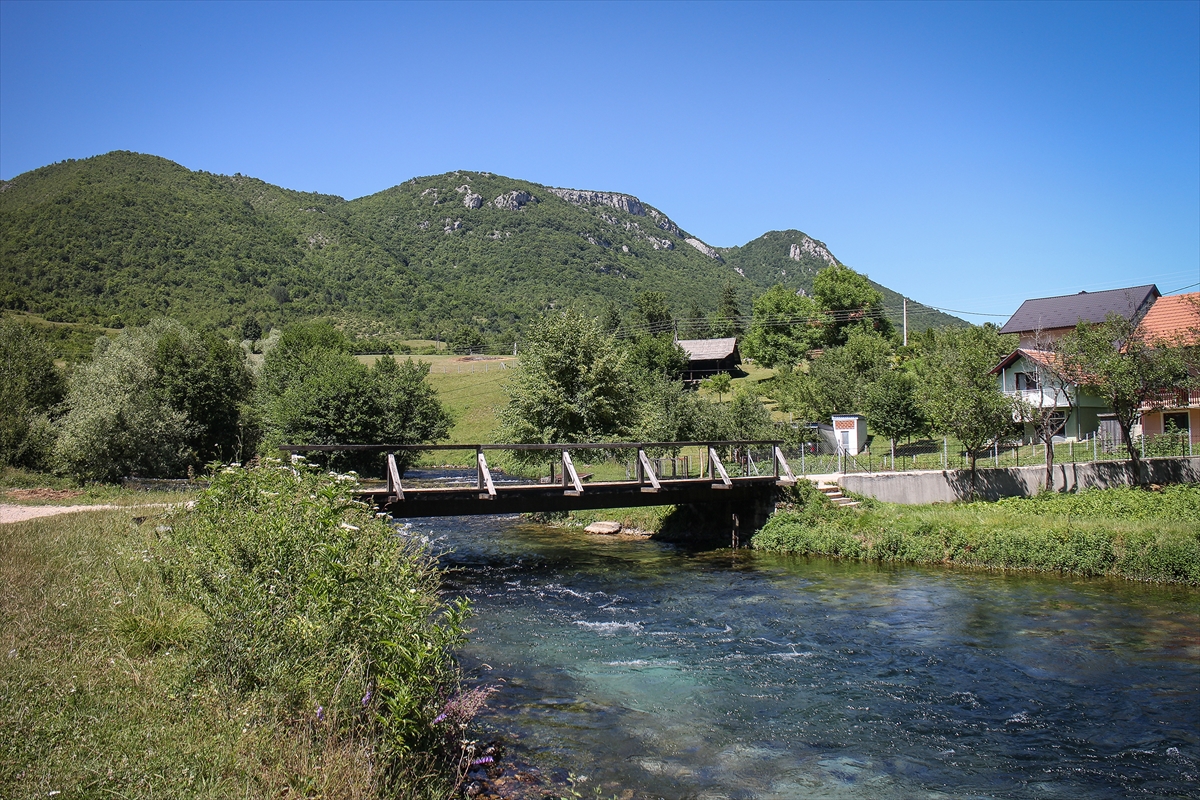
[206, 378]
[728, 321]
[697, 324]
[251, 329]
[30, 387]
[571, 384]
[339, 400]
[746, 417]
[467, 341]
[893, 408]
[850, 301]
[287, 360]
[671, 413]
[660, 356]
[959, 393]
[610, 320]
[119, 419]
[653, 308]
[836, 382]
[409, 409]
[718, 384]
[1115, 361]
[200, 384]
[786, 325]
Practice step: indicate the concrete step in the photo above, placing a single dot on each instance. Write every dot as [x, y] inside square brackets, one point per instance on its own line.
[834, 493]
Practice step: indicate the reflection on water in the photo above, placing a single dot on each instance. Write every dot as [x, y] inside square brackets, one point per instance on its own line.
[740, 675]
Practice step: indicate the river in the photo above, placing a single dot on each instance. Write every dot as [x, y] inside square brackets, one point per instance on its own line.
[685, 673]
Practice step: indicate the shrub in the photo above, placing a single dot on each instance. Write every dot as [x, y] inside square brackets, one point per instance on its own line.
[30, 385]
[152, 402]
[326, 610]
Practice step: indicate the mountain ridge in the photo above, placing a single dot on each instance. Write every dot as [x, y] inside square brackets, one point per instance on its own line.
[123, 237]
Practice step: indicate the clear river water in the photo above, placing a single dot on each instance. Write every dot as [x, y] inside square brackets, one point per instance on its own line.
[683, 673]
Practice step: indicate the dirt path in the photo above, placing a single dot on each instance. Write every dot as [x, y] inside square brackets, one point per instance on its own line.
[14, 513]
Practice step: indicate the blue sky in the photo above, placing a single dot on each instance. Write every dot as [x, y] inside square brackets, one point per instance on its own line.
[968, 155]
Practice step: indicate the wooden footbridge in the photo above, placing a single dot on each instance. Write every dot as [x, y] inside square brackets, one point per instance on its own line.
[748, 492]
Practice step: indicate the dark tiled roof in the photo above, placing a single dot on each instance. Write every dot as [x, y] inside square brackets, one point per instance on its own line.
[1066, 311]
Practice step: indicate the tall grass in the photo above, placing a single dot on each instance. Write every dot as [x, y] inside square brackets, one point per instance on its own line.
[325, 610]
[275, 641]
[1126, 533]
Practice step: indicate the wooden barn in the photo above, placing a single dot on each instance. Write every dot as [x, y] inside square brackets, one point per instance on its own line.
[708, 357]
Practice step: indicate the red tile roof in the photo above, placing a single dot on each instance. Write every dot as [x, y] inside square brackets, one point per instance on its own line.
[1171, 318]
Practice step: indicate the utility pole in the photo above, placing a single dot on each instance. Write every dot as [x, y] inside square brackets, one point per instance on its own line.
[905, 321]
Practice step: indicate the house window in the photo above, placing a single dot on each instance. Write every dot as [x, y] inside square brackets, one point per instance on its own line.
[1179, 419]
[1027, 380]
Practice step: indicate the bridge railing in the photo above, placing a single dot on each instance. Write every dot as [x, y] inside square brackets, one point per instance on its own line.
[649, 464]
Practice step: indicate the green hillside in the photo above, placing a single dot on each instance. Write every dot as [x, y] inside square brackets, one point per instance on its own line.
[121, 238]
[793, 257]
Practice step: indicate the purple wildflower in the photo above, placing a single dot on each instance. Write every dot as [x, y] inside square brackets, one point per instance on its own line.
[439, 718]
[321, 713]
[484, 760]
[366, 698]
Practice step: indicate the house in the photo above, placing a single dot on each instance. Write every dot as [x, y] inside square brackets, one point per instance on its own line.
[707, 357]
[1043, 320]
[1174, 320]
[1034, 377]
[1030, 372]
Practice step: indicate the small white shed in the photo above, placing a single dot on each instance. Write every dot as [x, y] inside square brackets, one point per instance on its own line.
[851, 432]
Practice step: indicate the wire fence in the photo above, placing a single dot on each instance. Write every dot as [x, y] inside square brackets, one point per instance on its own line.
[945, 454]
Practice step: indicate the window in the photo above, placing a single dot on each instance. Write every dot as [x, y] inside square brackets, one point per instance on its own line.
[1179, 419]
[1027, 381]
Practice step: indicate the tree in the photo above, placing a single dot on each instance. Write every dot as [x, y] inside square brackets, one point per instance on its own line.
[728, 321]
[466, 341]
[717, 384]
[892, 407]
[850, 301]
[30, 387]
[409, 409]
[657, 356]
[1115, 361]
[837, 380]
[339, 400]
[653, 308]
[697, 323]
[959, 393]
[571, 384]
[251, 329]
[786, 325]
[1039, 407]
[119, 421]
[671, 413]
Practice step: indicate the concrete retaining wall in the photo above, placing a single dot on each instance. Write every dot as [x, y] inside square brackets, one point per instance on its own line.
[949, 486]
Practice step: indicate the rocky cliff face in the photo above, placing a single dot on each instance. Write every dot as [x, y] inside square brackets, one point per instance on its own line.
[621, 202]
[634, 207]
[810, 248]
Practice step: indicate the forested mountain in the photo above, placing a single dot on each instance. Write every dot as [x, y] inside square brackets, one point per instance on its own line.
[793, 257]
[122, 238]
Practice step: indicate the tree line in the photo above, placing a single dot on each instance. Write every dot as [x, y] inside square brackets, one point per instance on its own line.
[162, 401]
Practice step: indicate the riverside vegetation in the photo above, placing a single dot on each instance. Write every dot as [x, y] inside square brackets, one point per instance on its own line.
[1122, 532]
[275, 639]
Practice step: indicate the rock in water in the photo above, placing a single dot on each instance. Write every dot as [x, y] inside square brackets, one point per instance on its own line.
[604, 527]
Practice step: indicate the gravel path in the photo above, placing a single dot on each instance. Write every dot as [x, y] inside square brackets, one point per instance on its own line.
[13, 513]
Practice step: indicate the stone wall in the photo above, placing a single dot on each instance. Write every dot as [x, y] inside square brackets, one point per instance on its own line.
[951, 485]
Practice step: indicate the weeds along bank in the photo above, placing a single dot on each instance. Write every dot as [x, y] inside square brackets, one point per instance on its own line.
[276, 639]
[1121, 532]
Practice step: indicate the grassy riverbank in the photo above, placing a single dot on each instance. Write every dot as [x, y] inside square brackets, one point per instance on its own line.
[216, 653]
[1128, 533]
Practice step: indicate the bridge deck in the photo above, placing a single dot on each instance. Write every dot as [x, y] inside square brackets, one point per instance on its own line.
[650, 489]
[452, 501]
